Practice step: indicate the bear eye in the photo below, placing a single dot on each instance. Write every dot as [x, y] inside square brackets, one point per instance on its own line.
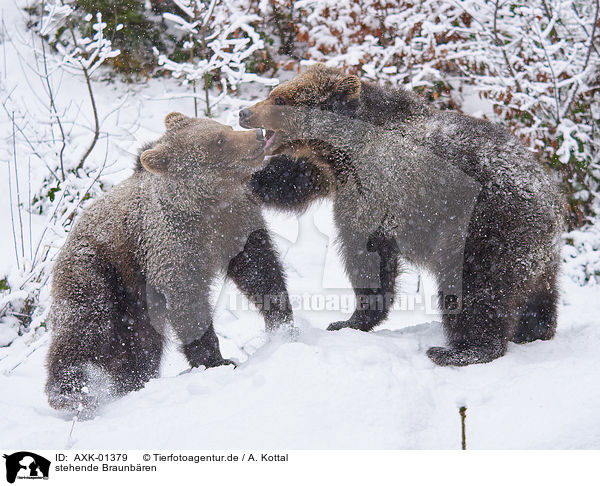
[279, 101]
[220, 140]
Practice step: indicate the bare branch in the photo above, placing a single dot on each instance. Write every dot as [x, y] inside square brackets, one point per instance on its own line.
[500, 44]
[550, 66]
[96, 122]
[18, 191]
[591, 46]
[10, 201]
[92, 183]
[26, 138]
[29, 210]
[574, 7]
[88, 83]
[587, 58]
[53, 107]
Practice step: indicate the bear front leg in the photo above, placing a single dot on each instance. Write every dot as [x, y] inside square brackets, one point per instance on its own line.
[372, 267]
[205, 351]
[191, 318]
[258, 273]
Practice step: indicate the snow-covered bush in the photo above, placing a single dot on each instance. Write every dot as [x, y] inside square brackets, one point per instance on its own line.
[581, 255]
[219, 38]
[135, 42]
[48, 135]
[537, 61]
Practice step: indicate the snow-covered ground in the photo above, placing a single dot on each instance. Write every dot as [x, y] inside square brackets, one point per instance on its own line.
[323, 390]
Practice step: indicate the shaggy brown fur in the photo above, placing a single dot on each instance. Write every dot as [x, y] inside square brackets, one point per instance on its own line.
[456, 195]
[146, 253]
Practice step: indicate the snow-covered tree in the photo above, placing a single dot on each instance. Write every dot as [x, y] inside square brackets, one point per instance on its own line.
[220, 38]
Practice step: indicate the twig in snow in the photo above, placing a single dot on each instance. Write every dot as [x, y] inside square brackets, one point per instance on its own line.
[463, 417]
[70, 442]
[29, 209]
[3, 45]
[40, 343]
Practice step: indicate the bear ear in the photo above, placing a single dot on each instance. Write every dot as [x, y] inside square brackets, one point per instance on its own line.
[175, 119]
[156, 159]
[348, 87]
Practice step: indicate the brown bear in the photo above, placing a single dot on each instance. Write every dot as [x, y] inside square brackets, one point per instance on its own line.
[146, 253]
[458, 196]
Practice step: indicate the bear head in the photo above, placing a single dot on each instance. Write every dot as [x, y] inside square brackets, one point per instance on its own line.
[284, 111]
[195, 149]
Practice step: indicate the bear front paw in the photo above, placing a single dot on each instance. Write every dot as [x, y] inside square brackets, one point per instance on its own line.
[359, 321]
[336, 326]
[210, 362]
[349, 324]
[222, 362]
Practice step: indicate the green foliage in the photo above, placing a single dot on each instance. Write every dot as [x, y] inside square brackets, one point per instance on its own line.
[52, 191]
[47, 193]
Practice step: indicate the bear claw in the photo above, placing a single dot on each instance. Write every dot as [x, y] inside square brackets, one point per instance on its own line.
[339, 325]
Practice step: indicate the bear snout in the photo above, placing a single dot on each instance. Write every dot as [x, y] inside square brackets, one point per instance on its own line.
[245, 116]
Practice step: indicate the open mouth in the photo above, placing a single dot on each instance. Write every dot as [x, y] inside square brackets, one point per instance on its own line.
[269, 136]
[267, 139]
[261, 150]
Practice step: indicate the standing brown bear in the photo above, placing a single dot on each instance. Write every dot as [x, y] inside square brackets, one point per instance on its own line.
[146, 254]
[458, 196]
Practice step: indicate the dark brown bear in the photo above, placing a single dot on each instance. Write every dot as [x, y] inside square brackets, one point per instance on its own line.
[458, 196]
[146, 253]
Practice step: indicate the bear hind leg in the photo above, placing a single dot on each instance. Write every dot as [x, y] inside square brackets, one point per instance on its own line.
[478, 333]
[102, 347]
[539, 318]
[79, 388]
[136, 348]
